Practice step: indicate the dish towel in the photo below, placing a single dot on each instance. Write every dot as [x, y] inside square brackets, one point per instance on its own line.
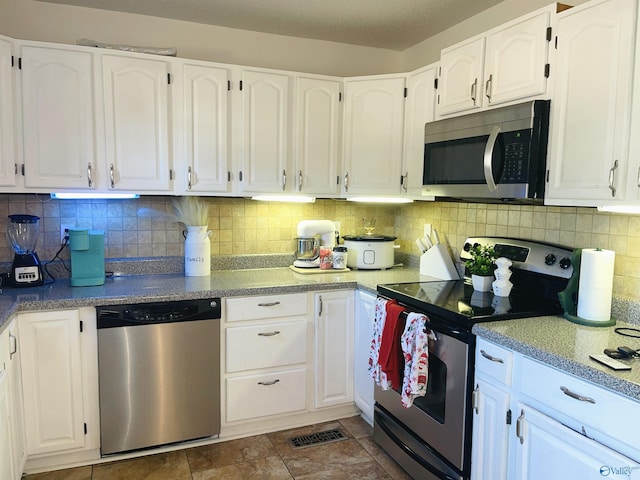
[415, 348]
[390, 356]
[379, 377]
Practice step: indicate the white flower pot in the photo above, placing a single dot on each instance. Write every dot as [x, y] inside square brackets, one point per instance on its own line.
[197, 251]
[482, 283]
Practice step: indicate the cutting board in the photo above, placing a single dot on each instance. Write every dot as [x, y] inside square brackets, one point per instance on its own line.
[311, 271]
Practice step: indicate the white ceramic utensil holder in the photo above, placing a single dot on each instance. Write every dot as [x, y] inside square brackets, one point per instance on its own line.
[436, 262]
[197, 251]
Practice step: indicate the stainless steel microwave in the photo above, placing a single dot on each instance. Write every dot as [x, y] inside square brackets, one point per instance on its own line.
[496, 154]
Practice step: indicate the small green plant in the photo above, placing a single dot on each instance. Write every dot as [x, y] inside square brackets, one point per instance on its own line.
[481, 261]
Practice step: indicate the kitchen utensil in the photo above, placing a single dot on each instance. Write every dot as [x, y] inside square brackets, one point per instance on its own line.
[370, 252]
[307, 248]
[428, 242]
[436, 237]
[22, 232]
[312, 234]
[421, 245]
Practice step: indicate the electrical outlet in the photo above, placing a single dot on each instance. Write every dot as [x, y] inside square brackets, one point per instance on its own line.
[64, 231]
[427, 229]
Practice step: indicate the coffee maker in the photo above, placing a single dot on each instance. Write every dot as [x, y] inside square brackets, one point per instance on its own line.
[87, 257]
[22, 232]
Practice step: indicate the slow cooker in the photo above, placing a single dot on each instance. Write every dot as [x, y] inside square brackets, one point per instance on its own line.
[369, 251]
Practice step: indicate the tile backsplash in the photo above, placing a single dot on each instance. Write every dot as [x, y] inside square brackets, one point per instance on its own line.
[242, 226]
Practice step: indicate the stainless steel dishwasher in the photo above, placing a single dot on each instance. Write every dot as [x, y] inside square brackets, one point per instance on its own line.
[159, 373]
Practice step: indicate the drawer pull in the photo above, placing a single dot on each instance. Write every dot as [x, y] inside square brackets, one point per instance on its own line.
[13, 341]
[270, 382]
[270, 304]
[571, 394]
[268, 334]
[491, 357]
[519, 425]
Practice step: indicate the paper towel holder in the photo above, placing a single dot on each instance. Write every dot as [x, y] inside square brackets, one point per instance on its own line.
[569, 296]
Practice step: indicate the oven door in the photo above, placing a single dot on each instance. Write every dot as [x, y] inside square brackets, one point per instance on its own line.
[441, 420]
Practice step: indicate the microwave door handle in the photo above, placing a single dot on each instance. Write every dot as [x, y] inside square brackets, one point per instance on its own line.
[488, 154]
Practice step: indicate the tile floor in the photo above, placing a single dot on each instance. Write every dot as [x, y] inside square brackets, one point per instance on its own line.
[261, 457]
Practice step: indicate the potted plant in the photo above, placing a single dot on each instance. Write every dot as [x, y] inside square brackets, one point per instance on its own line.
[481, 266]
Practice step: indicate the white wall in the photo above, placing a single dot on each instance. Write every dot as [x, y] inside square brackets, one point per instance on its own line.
[428, 51]
[42, 21]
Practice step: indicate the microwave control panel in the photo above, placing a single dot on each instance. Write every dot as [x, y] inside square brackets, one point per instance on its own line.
[516, 156]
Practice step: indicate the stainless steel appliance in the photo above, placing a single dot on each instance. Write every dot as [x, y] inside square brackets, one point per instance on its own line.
[432, 439]
[313, 234]
[159, 373]
[23, 232]
[496, 154]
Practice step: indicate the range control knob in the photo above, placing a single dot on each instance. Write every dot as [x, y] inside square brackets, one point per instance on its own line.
[565, 263]
[466, 247]
[550, 259]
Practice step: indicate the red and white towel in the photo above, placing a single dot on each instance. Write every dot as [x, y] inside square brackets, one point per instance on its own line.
[415, 348]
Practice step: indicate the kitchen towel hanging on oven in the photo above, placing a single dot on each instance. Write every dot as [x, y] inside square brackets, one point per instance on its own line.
[415, 348]
[385, 355]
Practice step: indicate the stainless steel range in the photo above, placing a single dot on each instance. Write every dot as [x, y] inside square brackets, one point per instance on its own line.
[432, 438]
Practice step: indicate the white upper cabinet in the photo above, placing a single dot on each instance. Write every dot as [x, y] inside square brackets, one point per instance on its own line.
[590, 112]
[460, 77]
[506, 64]
[8, 162]
[373, 134]
[58, 116]
[317, 125]
[265, 137]
[205, 148]
[420, 105]
[136, 109]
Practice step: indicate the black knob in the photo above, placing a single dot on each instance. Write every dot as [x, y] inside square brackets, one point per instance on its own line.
[565, 263]
[466, 247]
[550, 259]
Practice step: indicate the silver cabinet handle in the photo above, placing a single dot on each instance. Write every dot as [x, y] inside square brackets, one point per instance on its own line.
[270, 382]
[89, 175]
[491, 357]
[474, 88]
[612, 178]
[403, 181]
[638, 178]
[268, 334]
[13, 342]
[320, 305]
[474, 399]
[346, 182]
[519, 425]
[284, 180]
[300, 181]
[112, 176]
[571, 394]
[269, 304]
[488, 87]
[488, 154]
[189, 178]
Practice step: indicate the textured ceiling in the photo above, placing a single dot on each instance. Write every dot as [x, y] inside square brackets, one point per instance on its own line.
[391, 24]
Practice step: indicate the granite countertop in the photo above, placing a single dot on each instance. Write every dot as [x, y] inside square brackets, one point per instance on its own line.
[555, 341]
[165, 287]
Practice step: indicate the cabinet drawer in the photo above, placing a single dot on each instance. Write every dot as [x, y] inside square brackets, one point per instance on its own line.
[494, 361]
[266, 345]
[254, 396]
[270, 306]
[601, 413]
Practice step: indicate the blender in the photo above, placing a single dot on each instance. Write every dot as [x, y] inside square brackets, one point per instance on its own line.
[22, 232]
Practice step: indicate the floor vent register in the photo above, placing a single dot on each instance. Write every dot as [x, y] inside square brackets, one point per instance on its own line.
[318, 438]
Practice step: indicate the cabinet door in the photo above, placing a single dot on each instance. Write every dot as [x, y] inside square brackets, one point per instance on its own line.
[16, 401]
[490, 432]
[136, 99]
[544, 448]
[590, 114]
[420, 106]
[58, 117]
[460, 77]
[374, 125]
[265, 135]
[334, 348]
[318, 135]
[8, 164]
[6, 439]
[52, 381]
[365, 313]
[206, 132]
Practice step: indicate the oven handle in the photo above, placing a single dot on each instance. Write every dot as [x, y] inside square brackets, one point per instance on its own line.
[488, 154]
[407, 449]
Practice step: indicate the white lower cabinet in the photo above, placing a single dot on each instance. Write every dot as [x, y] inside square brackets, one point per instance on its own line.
[7, 469]
[363, 328]
[59, 374]
[334, 348]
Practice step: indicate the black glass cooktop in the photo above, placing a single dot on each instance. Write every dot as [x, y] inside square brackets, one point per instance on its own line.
[457, 302]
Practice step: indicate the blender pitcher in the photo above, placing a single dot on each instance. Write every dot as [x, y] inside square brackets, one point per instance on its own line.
[22, 232]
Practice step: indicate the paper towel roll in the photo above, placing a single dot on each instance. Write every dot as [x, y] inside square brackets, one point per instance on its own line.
[596, 284]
